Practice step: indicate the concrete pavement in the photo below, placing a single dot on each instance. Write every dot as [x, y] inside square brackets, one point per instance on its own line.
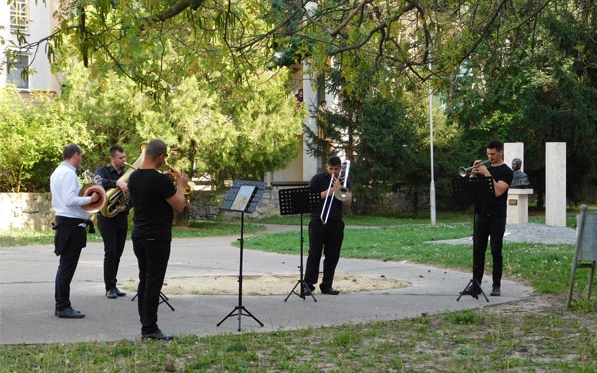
[27, 292]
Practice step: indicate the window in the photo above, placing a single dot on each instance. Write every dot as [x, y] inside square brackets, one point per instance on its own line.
[19, 16]
[15, 73]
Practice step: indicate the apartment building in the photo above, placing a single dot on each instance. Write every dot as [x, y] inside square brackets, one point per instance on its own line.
[34, 19]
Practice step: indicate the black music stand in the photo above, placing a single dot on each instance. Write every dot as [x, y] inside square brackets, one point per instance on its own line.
[163, 299]
[243, 197]
[469, 190]
[299, 201]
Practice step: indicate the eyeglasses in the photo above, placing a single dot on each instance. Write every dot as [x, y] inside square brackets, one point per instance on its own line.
[165, 155]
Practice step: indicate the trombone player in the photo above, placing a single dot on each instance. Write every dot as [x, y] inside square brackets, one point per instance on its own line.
[325, 236]
[490, 218]
[113, 229]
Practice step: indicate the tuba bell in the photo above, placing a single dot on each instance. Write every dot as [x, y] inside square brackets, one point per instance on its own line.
[115, 196]
[92, 184]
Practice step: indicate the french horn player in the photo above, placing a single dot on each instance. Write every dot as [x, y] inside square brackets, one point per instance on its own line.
[112, 220]
[70, 224]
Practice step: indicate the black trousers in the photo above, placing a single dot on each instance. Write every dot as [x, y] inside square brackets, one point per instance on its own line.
[152, 257]
[488, 229]
[67, 264]
[113, 232]
[326, 239]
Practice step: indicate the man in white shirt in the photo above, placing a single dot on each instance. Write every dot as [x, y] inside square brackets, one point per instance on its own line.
[71, 220]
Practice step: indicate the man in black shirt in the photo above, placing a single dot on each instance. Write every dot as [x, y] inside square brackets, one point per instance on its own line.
[328, 237]
[155, 199]
[113, 229]
[490, 217]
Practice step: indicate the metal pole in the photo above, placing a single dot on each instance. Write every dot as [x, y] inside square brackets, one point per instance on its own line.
[432, 186]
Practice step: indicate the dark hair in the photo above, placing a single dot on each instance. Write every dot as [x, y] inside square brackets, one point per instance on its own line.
[334, 161]
[495, 144]
[154, 148]
[70, 150]
[116, 149]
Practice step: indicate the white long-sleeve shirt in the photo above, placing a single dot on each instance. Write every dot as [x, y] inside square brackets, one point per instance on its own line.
[65, 187]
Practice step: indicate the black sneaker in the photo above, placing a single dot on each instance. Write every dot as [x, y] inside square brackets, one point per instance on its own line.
[495, 291]
[159, 335]
[111, 294]
[329, 290]
[119, 293]
[69, 313]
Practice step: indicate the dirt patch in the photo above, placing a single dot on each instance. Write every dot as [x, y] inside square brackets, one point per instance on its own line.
[264, 284]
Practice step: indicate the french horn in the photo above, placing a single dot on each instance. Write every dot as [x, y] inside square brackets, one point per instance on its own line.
[93, 185]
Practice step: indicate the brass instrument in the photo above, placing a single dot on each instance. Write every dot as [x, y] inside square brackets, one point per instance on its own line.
[463, 172]
[93, 184]
[342, 194]
[115, 196]
[175, 175]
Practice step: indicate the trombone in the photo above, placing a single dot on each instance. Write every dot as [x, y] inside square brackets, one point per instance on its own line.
[342, 194]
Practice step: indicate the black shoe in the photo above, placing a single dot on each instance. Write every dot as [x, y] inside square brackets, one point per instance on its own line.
[307, 288]
[112, 294]
[472, 290]
[119, 293]
[69, 313]
[495, 291]
[329, 290]
[158, 335]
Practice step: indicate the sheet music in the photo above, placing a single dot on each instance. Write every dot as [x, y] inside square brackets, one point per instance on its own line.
[243, 197]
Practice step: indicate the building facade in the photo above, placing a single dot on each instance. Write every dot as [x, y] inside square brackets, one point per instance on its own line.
[33, 19]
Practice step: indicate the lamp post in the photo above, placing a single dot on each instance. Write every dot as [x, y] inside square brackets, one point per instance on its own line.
[432, 185]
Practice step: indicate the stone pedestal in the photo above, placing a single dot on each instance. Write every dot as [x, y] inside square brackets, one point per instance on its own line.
[518, 205]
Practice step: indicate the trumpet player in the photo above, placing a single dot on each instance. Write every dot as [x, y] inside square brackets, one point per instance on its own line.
[155, 199]
[113, 229]
[71, 221]
[490, 218]
[326, 237]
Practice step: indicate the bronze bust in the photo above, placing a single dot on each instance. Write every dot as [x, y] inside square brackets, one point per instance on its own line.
[520, 179]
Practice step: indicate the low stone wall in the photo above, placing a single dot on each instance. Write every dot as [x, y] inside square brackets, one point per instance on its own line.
[34, 210]
[26, 211]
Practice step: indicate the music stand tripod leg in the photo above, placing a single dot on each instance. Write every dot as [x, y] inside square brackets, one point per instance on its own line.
[238, 310]
[165, 299]
[474, 284]
[304, 288]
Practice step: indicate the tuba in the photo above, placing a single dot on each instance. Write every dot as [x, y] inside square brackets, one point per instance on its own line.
[342, 194]
[115, 196]
[93, 184]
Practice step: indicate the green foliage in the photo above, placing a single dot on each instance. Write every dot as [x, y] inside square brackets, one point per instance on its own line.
[534, 83]
[32, 135]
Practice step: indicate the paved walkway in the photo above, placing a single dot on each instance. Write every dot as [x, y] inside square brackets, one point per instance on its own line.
[27, 288]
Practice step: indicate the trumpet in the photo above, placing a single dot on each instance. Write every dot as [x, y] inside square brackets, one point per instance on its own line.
[342, 194]
[175, 175]
[463, 172]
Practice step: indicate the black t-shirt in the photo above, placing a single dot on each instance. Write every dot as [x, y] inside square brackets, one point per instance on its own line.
[498, 206]
[153, 215]
[320, 183]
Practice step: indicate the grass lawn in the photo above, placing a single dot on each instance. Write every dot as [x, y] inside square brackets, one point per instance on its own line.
[534, 335]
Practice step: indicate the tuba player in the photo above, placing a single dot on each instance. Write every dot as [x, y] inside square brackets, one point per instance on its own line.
[113, 229]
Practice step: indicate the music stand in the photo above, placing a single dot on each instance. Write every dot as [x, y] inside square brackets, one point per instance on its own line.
[468, 190]
[163, 299]
[242, 197]
[299, 201]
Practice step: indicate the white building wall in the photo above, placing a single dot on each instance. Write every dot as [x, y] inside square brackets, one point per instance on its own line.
[40, 26]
